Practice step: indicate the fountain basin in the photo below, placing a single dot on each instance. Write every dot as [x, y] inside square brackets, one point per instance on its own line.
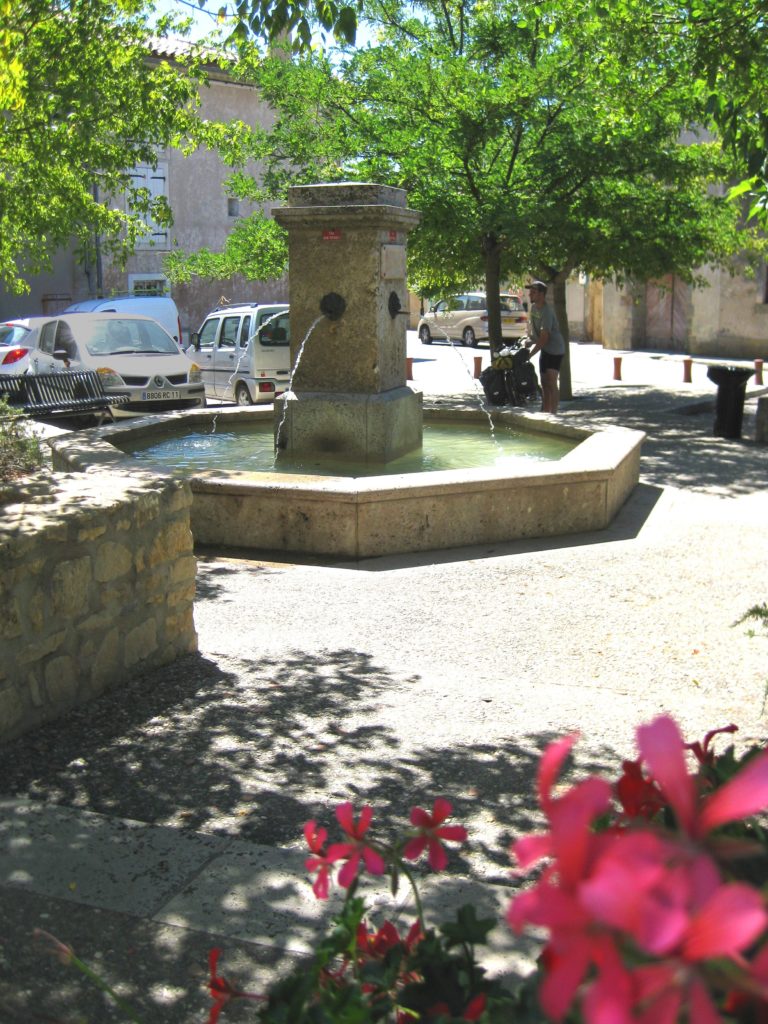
[383, 515]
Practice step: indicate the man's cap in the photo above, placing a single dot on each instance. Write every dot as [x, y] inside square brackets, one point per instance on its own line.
[538, 285]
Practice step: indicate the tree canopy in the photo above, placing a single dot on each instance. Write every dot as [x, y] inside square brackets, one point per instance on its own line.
[82, 107]
[533, 137]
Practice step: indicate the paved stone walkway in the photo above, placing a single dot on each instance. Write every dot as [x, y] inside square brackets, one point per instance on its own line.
[166, 819]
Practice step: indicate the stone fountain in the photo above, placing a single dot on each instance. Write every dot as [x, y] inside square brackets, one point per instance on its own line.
[349, 398]
[346, 253]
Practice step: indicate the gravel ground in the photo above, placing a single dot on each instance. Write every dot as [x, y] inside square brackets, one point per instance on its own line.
[399, 679]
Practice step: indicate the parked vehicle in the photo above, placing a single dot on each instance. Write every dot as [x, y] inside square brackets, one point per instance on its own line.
[159, 307]
[17, 337]
[465, 318]
[244, 352]
[134, 355]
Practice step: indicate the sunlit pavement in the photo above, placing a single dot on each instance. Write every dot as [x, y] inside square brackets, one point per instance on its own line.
[165, 818]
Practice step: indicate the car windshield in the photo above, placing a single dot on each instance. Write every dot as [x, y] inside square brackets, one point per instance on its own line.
[123, 336]
[13, 334]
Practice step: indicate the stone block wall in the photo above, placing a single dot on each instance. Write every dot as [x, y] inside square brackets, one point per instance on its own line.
[97, 582]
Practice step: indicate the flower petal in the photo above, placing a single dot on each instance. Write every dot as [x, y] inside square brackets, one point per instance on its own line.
[729, 922]
[745, 794]
[452, 833]
[348, 873]
[438, 858]
[549, 767]
[441, 809]
[374, 862]
[531, 849]
[346, 818]
[414, 848]
[662, 749]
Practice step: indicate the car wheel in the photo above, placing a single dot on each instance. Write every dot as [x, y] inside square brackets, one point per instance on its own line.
[424, 336]
[243, 395]
[468, 338]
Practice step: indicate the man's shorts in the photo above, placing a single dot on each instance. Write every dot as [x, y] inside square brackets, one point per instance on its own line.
[549, 362]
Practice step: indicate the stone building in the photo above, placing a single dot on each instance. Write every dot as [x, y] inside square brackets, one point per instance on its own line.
[203, 216]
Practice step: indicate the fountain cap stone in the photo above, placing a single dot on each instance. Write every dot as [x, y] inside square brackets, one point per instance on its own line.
[346, 193]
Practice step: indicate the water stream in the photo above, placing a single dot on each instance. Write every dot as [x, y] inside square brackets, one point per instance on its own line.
[289, 391]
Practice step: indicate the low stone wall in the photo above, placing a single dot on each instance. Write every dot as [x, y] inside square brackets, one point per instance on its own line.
[97, 581]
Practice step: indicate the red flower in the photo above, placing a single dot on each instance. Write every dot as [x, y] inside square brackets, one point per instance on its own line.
[356, 850]
[319, 861]
[473, 1010]
[638, 796]
[222, 991]
[701, 750]
[431, 832]
[377, 944]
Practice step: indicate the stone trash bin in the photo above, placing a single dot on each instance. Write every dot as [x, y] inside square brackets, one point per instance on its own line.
[729, 405]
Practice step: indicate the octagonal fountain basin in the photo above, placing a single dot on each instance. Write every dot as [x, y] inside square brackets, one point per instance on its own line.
[574, 480]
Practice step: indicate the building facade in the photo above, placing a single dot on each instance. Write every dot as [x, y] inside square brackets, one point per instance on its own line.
[203, 216]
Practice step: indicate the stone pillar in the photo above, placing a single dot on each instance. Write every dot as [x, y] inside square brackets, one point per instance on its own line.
[347, 283]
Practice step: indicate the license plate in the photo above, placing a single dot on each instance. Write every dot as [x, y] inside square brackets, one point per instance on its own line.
[159, 396]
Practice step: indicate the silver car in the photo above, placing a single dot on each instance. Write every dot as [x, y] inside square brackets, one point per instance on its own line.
[465, 318]
[133, 354]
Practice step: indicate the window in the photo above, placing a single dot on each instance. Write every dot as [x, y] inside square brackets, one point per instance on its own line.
[155, 180]
[148, 285]
[47, 337]
[208, 333]
[233, 207]
[245, 331]
[229, 331]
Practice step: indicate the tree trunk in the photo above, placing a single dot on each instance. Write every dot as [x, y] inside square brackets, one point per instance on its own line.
[492, 253]
[561, 312]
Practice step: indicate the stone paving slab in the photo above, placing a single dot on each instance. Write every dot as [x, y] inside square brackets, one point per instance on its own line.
[112, 863]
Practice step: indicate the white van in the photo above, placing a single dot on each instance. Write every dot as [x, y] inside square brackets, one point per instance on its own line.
[244, 352]
[159, 307]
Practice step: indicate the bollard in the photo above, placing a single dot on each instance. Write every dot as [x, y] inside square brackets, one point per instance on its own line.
[409, 368]
[617, 367]
[478, 366]
[758, 371]
[687, 364]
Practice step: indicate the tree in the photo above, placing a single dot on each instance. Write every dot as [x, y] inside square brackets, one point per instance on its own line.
[533, 137]
[82, 107]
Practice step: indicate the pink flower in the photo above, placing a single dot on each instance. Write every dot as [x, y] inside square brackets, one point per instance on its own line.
[355, 850]
[432, 833]
[722, 928]
[663, 750]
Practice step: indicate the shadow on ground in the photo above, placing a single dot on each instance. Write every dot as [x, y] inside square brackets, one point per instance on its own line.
[681, 449]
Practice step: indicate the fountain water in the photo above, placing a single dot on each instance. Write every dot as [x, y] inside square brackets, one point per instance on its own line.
[349, 399]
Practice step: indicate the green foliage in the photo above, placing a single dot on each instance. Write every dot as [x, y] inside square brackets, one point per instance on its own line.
[85, 108]
[256, 247]
[20, 449]
[279, 20]
[534, 138]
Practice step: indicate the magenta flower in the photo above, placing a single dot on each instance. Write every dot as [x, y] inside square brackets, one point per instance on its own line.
[432, 834]
[357, 849]
[663, 750]
[723, 927]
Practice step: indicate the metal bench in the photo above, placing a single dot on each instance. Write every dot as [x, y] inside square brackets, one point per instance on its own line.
[67, 393]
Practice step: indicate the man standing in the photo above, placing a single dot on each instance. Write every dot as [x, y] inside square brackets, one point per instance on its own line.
[545, 334]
